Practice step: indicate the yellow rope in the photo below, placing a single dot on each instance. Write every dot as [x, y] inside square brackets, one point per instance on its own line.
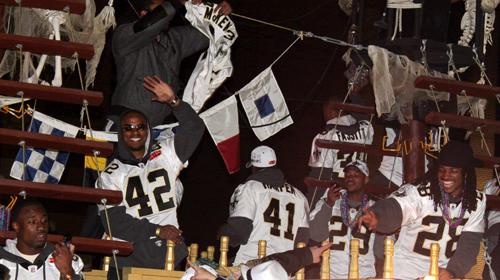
[13, 200]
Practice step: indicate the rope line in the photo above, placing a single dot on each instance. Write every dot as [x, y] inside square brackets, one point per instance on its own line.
[304, 33]
[481, 66]
[299, 37]
[349, 90]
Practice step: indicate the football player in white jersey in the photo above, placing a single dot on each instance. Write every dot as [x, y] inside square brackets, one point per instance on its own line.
[29, 256]
[335, 217]
[328, 164]
[266, 207]
[145, 172]
[446, 208]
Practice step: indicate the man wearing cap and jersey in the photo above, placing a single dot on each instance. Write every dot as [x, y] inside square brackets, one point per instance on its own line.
[266, 207]
[335, 217]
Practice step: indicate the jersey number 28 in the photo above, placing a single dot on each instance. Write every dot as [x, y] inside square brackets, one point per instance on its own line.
[436, 236]
[135, 194]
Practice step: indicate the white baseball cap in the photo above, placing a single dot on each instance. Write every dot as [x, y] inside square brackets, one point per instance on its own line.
[361, 165]
[262, 156]
[264, 271]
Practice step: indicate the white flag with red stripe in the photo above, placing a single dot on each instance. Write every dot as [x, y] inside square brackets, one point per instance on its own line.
[222, 123]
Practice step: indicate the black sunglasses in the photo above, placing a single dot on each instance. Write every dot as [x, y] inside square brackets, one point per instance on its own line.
[131, 127]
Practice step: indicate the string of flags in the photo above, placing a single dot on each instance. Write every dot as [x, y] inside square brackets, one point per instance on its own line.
[262, 100]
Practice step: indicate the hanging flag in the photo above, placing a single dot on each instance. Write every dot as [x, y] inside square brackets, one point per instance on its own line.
[214, 65]
[103, 136]
[222, 122]
[265, 105]
[43, 166]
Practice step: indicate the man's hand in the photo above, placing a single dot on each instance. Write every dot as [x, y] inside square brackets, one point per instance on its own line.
[162, 91]
[223, 8]
[316, 251]
[169, 232]
[369, 219]
[333, 194]
[63, 258]
[445, 274]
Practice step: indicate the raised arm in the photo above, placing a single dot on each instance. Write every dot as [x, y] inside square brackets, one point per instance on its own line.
[320, 216]
[131, 37]
[191, 127]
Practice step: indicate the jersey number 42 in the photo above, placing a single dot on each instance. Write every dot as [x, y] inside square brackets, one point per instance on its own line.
[159, 184]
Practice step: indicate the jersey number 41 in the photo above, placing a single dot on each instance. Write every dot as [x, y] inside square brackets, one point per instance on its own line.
[272, 215]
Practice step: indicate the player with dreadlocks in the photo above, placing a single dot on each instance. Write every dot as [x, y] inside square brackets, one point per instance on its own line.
[444, 208]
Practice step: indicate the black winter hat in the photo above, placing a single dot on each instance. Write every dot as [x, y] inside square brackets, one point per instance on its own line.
[458, 154]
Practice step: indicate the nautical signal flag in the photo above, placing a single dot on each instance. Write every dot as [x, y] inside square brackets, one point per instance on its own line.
[41, 165]
[221, 121]
[265, 105]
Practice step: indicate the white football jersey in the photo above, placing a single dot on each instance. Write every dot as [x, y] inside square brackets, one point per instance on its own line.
[422, 225]
[341, 236]
[277, 214]
[335, 159]
[47, 271]
[491, 188]
[149, 190]
[392, 167]
[214, 65]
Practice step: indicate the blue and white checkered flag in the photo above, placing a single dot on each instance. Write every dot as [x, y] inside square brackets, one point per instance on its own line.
[43, 166]
[265, 105]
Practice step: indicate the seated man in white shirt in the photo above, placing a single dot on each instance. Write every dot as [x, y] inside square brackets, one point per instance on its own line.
[30, 256]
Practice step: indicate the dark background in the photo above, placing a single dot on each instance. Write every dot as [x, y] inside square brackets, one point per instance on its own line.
[308, 74]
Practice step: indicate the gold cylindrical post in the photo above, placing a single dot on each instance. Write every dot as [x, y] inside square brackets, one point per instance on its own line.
[106, 262]
[193, 252]
[107, 259]
[388, 260]
[170, 259]
[434, 268]
[261, 250]
[224, 248]
[204, 255]
[210, 252]
[300, 275]
[324, 273]
[353, 266]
